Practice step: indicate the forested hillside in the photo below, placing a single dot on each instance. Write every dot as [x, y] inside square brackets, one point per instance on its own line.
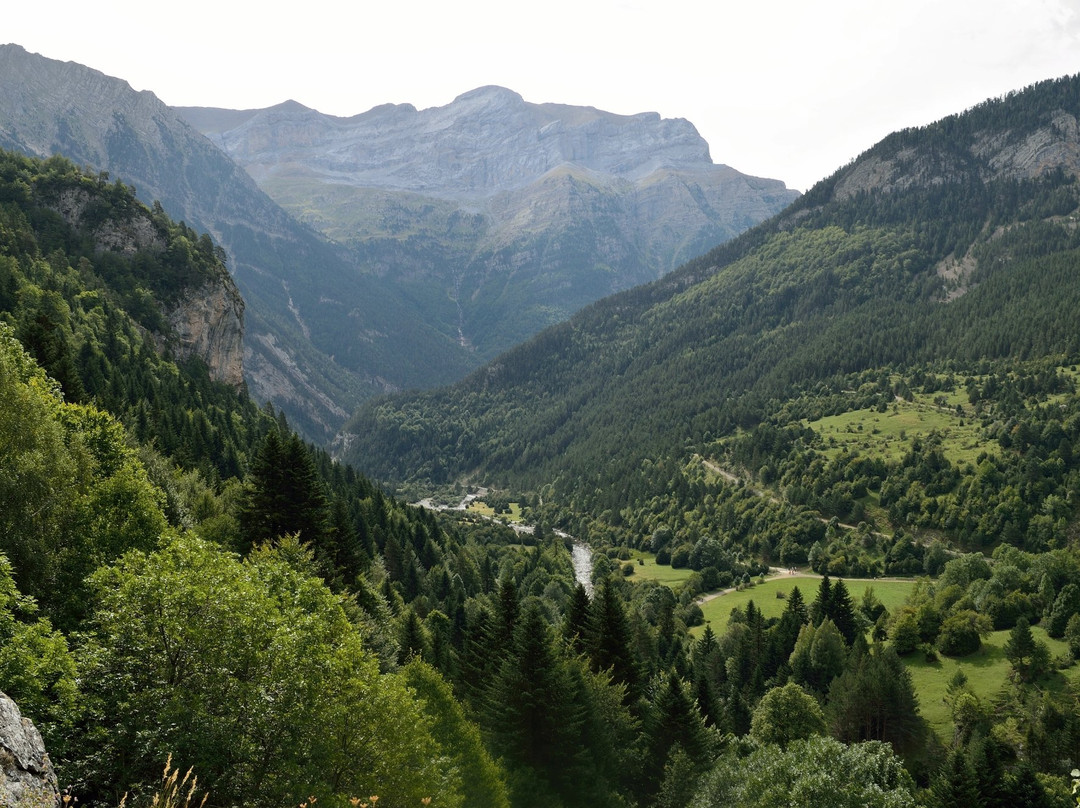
[881, 380]
[893, 392]
[954, 261]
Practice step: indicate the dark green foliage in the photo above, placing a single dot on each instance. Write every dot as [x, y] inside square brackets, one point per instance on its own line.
[873, 699]
[609, 642]
[1029, 658]
[955, 783]
[285, 495]
[534, 719]
[673, 723]
[818, 771]
[1066, 604]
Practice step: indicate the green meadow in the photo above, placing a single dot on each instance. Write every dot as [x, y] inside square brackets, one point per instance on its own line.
[889, 434]
[651, 571]
[987, 670]
[892, 593]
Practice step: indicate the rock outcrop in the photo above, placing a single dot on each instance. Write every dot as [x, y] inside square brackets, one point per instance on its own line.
[208, 323]
[27, 779]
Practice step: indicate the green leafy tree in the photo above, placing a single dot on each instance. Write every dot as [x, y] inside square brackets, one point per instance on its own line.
[787, 714]
[962, 632]
[480, 779]
[252, 673]
[37, 669]
[1066, 604]
[809, 773]
[1072, 635]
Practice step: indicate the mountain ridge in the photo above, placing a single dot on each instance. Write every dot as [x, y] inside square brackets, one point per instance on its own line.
[839, 282]
[503, 216]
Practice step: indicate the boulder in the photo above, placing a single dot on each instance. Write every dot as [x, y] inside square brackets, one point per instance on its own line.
[27, 779]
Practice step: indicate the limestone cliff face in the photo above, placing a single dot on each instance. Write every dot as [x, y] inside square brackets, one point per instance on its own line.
[208, 323]
[991, 154]
[27, 779]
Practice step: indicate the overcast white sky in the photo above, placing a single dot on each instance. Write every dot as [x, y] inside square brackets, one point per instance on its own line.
[789, 89]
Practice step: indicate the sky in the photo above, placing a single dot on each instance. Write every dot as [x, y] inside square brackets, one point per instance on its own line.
[786, 89]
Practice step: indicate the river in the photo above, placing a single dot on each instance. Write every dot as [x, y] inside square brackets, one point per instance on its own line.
[581, 555]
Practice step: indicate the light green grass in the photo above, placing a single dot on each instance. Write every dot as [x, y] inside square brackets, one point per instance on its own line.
[481, 508]
[892, 594]
[889, 434]
[651, 571]
[987, 671]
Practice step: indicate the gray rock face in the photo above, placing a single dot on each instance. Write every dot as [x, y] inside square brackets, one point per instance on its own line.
[486, 141]
[515, 214]
[27, 779]
[208, 324]
[995, 154]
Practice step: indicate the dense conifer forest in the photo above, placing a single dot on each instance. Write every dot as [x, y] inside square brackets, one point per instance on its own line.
[183, 576]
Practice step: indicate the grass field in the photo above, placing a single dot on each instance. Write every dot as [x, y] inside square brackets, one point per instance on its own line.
[891, 593]
[987, 671]
[652, 571]
[481, 508]
[889, 434]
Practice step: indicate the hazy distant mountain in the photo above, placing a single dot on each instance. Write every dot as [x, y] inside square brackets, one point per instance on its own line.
[499, 216]
[320, 336]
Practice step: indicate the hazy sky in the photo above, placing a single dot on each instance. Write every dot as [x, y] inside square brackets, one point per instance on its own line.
[789, 89]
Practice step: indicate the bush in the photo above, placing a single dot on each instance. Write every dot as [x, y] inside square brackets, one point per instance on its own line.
[680, 559]
[960, 634]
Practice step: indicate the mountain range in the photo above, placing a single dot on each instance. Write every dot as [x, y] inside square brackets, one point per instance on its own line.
[502, 216]
[330, 322]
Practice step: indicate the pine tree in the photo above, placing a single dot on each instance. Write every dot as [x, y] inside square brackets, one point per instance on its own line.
[819, 609]
[842, 612]
[1029, 657]
[610, 642]
[532, 712]
[955, 784]
[576, 620]
[673, 722]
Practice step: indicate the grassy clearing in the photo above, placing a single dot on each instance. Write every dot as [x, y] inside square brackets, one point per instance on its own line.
[889, 434]
[891, 593]
[987, 671]
[481, 508]
[651, 571]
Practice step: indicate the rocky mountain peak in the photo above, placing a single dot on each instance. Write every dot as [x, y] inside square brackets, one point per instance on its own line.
[485, 142]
